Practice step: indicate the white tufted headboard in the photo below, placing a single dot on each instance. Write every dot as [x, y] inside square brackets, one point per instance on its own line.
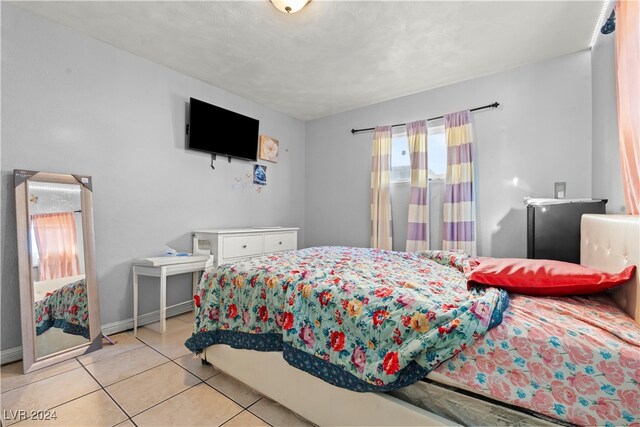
[610, 243]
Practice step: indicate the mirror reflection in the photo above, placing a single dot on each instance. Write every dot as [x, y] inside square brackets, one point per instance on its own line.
[58, 267]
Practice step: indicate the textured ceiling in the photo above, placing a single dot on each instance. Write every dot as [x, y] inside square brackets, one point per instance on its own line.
[333, 56]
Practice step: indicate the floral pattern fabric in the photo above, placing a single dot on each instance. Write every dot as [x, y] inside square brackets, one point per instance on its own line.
[370, 312]
[64, 308]
[576, 359]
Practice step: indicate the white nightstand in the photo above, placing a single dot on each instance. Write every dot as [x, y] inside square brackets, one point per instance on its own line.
[163, 267]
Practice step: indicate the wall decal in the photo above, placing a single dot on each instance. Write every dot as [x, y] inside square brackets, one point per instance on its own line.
[246, 182]
[260, 175]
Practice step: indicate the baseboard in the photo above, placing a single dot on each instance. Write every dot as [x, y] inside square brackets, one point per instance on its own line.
[10, 355]
[145, 319]
[14, 354]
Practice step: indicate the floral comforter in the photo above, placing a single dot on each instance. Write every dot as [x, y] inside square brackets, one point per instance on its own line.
[363, 319]
[575, 359]
[64, 308]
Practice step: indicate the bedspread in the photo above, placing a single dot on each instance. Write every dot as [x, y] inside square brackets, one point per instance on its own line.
[382, 318]
[575, 359]
[64, 308]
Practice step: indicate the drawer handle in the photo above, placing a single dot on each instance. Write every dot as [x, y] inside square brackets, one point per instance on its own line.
[244, 246]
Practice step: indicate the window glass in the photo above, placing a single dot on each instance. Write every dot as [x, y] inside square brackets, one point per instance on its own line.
[35, 257]
[401, 162]
[437, 153]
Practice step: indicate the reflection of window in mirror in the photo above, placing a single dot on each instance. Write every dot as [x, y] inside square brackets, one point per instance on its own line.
[35, 258]
[56, 230]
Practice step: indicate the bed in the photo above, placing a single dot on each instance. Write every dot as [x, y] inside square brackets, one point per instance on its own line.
[62, 303]
[560, 360]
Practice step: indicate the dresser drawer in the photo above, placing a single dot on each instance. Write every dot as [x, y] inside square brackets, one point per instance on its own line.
[241, 246]
[280, 242]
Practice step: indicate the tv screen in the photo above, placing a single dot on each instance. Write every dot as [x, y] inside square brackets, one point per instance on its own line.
[218, 131]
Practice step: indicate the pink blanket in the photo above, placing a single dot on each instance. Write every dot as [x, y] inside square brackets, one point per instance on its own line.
[575, 359]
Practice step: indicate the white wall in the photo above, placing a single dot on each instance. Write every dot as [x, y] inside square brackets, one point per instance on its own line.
[541, 133]
[606, 178]
[72, 104]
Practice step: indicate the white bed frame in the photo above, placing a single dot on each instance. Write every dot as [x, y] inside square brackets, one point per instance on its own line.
[310, 397]
[608, 242]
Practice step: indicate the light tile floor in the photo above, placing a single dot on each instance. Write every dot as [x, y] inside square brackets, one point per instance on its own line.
[148, 380]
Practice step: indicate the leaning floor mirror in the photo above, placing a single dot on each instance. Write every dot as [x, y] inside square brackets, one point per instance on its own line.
[59, 307]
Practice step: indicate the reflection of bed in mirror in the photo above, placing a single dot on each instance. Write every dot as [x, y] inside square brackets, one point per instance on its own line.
[44, 287]
[61, 315]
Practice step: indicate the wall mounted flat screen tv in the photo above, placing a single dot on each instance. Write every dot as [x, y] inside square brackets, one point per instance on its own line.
[218, 131]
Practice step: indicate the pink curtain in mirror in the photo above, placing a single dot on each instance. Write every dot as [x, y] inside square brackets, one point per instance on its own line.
[628, 85]
[57, 245]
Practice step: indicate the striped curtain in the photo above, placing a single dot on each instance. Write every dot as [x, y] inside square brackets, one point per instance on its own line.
[380, 189]
[628, 87]
[459, 212]
[418, 228]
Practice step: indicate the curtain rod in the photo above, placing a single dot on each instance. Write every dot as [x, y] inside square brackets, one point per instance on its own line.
[494, 105]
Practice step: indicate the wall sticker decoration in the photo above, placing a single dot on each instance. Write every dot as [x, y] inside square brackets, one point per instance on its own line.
[260, 175]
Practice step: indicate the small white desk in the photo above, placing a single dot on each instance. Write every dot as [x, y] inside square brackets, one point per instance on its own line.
[163, 267]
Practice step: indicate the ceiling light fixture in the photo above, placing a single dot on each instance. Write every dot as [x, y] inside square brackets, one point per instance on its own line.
[289, 6]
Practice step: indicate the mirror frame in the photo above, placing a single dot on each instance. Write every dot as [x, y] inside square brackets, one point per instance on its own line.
[27, 315]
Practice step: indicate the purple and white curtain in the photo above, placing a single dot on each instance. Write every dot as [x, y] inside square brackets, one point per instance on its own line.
[381, 222]
[418, 228]
[459, 213]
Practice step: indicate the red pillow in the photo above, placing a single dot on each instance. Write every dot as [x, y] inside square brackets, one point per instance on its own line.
[543, 277]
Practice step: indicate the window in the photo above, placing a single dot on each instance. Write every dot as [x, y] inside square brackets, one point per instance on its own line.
[437, 153]
[35, 256]
[400, 160]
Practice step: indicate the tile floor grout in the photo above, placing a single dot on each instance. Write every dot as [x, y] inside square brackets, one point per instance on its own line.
[134, 375]
[102, 387]
[171, 397]
[144, 344]
[203, 380]
[139, 373]
[255, 415]
[244, 410]
[110, 397]
[168, 398]
[60, 404]
[42, 379]
[113, 355]
[169, 360]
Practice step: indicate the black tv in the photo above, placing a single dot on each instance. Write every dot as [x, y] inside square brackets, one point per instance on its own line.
[215, 130]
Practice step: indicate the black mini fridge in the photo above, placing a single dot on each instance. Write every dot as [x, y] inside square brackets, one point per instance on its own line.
[553, 227]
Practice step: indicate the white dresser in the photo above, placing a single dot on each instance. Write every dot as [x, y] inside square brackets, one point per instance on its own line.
[232, 244]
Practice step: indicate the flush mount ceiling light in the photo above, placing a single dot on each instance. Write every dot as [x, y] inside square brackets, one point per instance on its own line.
[290, 6]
